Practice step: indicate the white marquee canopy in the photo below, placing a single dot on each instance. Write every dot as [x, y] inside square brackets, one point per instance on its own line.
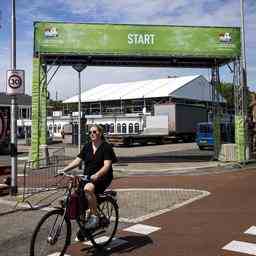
[185, 87]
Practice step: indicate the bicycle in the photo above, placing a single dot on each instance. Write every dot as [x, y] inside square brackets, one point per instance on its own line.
[54, 230]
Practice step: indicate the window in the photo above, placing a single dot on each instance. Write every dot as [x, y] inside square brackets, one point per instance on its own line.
[112, 128]
[59, 128]
[24, 113]
[123, 128]
[205, 128]
[107, 128]
[119, 130]
[130, 128]
[136, 128]
[55, 128]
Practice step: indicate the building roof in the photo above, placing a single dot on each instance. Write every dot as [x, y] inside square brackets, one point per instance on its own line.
[22, 100]
[187, 87]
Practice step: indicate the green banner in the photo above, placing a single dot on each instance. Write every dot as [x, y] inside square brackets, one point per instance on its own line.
[136, 40]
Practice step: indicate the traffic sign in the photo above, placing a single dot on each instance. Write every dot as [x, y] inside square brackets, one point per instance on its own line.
[15, 80]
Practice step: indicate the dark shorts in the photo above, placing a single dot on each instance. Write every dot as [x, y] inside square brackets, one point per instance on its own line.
[100, 186]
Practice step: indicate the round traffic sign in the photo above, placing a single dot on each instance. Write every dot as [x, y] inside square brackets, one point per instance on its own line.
[15, 81]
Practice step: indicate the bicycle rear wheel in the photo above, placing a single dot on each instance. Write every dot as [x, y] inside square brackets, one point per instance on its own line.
[108, 213]
[52, 235]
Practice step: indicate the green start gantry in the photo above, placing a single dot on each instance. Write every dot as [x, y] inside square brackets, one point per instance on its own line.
[68, 44]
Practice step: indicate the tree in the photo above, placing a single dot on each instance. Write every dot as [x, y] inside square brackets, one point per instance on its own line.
[226, 90]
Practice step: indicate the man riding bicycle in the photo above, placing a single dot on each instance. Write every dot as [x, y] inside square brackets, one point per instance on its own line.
[98, 156]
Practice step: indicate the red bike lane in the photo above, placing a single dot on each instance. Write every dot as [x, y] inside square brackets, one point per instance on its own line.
[213, 225]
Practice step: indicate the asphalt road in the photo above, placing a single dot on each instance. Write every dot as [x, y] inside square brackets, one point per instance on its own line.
[206, 226]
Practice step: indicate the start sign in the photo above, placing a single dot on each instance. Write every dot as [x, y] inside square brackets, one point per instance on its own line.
[15, 82]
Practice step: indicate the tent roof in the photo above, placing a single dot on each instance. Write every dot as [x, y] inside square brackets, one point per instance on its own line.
[136, 90]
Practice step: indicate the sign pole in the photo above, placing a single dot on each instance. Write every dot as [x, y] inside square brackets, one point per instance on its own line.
[79, 112]
[14, 188]
[243, 83]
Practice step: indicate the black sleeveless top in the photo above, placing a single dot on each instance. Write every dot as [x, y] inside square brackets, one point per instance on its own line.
[94, 162]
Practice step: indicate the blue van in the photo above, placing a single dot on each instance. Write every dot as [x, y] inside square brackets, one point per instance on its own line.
[204, 134]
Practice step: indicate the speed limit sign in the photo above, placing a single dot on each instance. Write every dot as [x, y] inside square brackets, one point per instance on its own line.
[15, 80]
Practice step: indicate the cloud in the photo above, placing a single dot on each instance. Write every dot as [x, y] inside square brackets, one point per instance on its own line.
[179, 12]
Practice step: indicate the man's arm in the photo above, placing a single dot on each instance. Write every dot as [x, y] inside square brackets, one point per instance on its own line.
[72, 165]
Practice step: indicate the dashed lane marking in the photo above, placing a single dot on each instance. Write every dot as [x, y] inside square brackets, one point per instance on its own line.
[114, 243]
[241, 247]
[142, 229]
[57, 254]
[251, 231]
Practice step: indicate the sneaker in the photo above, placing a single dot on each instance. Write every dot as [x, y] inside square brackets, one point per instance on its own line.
[79, 235]
[92, 222]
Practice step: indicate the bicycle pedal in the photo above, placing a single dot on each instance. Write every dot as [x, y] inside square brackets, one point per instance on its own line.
[104, 222]
[61, 203]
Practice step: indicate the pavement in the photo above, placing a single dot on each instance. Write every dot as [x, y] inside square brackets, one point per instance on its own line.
[194, 207]
[168, 157]
[195, 214]
[222, 222]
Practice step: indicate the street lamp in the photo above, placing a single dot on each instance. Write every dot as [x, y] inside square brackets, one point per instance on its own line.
[79, 68]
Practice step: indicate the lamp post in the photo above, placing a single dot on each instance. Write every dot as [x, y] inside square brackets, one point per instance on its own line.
[79, 68]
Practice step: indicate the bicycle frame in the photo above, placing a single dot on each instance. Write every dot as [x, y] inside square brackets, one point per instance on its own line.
[67, 196]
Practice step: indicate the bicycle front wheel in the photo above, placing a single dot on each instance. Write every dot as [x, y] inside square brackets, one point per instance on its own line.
[108, 214]
[52, 235]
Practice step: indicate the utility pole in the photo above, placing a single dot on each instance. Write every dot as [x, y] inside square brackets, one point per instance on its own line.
[243, 82]
[14, 189]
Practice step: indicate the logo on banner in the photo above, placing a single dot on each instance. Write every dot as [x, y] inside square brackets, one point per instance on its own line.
[225, 37]
[51, 32]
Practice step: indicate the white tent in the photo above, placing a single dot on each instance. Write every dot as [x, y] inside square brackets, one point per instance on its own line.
[185, 87]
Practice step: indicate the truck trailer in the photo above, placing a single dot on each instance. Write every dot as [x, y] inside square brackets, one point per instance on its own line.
[170, 122]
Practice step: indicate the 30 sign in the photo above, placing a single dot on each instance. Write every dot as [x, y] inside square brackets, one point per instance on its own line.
[15, 82]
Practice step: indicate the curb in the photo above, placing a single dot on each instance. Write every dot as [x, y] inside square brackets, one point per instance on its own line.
[178, 170]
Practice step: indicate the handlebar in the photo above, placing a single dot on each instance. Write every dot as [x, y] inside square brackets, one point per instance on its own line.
[82, 177]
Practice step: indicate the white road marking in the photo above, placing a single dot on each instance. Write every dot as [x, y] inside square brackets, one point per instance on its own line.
[142, 229]
[251, 231]
[23, 158]
[57, 254]
[114, 243]
[21, 175]
[242, 247]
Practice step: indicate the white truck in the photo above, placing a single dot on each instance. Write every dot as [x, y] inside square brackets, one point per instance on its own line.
[170, 122]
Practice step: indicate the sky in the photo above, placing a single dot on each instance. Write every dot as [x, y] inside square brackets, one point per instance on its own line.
[157, 12]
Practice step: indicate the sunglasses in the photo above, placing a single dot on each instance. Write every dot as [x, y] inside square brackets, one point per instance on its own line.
[92, 132]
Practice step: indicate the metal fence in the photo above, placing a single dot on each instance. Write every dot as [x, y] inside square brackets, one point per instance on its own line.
[39, 178]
